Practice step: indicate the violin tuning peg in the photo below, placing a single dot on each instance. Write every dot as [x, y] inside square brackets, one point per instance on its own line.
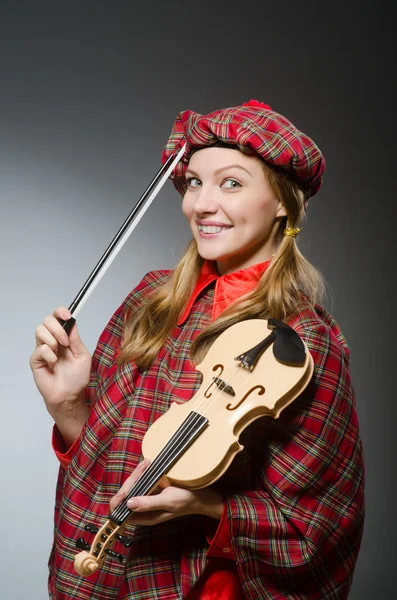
[117, 555]
[81, 544]
[123, 539]
[91, 528]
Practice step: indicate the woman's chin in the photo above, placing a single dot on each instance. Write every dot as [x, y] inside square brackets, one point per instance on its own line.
[212, 250]
[211, 255]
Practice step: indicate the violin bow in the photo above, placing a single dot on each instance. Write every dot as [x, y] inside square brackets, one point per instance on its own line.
[121, 237]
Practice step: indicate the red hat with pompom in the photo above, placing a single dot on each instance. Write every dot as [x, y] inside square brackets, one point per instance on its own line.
[254, 128]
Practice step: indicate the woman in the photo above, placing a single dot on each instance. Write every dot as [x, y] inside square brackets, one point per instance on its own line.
[285, 521]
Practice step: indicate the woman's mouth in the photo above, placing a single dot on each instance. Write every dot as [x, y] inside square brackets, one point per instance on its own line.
[210, 231]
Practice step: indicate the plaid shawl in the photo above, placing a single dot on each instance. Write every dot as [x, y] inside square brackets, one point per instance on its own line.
[294, 495]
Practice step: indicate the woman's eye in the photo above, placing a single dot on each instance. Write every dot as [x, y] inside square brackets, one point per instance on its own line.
[231, 184]
[193, 181]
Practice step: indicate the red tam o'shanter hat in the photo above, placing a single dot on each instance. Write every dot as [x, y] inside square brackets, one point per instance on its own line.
[253, 128]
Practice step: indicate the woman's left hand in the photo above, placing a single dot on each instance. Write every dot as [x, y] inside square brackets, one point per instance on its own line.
[170, 503]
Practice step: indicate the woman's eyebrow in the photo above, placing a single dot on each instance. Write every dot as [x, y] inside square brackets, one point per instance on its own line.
[189, 170]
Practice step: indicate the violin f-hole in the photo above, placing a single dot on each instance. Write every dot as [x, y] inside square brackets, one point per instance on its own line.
[207, 393]
[261, 389]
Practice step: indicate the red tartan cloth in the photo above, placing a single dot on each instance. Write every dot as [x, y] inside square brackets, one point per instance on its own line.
[293, 497]
[220, 579]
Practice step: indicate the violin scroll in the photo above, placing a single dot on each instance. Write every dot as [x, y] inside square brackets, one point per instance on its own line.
[92, 557]
[85, 564]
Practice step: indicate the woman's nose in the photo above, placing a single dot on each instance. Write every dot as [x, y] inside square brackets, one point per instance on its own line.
[205, 202]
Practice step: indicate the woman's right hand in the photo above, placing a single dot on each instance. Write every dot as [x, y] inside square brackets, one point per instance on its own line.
[61, 365]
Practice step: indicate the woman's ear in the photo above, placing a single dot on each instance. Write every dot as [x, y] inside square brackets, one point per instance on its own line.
[281, 212]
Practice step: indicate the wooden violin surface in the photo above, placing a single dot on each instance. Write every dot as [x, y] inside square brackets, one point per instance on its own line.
[247, 374]
[266, 390]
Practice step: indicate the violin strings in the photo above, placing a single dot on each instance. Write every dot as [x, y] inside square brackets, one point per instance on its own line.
[157, 468]
[170, 450]
[203, 403]
[166, 457]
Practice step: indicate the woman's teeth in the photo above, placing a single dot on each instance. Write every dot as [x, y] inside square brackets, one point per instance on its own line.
[211, 228]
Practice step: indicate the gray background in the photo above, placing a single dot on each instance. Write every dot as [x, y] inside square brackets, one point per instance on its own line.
[89, 92]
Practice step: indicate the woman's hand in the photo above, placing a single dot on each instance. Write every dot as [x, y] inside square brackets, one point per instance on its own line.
[61, 369]
[169, 503]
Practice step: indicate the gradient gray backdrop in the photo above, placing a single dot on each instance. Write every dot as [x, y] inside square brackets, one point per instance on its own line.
[89, 92]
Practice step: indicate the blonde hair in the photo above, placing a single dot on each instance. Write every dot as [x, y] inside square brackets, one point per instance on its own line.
[288, 285]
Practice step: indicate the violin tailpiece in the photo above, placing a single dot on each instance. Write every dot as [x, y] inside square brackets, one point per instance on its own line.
[249, 358]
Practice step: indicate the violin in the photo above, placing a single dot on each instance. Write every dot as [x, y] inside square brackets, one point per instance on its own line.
[246, 375]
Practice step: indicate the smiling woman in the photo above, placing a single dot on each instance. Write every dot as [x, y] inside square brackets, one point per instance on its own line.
[233, 212]
[286, 518]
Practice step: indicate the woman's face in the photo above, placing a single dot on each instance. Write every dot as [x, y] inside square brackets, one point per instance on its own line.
[231, 208]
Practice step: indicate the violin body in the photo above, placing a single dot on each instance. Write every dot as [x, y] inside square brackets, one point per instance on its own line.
[193, 443]
[266, 390]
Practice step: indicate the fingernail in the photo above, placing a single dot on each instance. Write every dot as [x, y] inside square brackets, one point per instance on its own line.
[133, 504]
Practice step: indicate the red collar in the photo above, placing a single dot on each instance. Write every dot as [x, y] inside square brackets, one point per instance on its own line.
[228, 287]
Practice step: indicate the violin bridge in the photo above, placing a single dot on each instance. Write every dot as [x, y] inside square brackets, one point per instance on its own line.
[225, 387]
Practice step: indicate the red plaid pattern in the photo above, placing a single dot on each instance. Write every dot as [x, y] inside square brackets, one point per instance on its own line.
[254, 128]
[294, 495]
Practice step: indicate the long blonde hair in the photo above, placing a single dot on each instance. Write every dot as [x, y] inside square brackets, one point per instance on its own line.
[288, 284]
